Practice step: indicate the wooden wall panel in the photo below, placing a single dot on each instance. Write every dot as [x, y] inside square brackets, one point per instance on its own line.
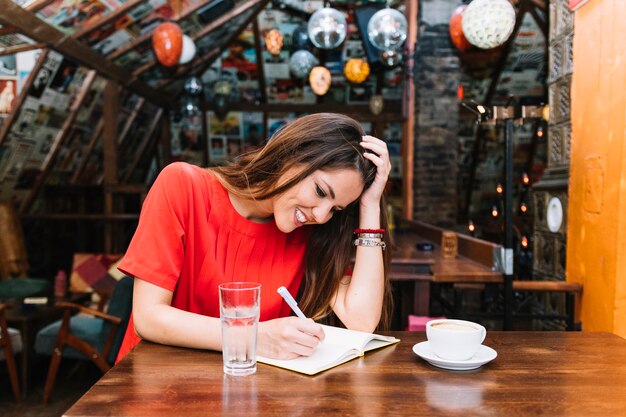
[596, 238]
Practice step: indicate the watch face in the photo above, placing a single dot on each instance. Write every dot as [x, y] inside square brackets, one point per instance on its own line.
[554, 215]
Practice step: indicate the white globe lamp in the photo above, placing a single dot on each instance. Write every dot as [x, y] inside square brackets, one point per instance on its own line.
[327, 28]
[488, 23]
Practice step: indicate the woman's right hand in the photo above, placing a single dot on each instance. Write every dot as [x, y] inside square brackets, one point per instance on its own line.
[288, 337]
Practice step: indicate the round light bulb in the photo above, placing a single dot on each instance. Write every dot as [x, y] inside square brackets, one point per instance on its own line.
[301, 63]
[488, 23]
[327, 28]
[387, 29]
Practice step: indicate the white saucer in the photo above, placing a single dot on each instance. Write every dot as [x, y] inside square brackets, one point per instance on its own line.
[485, 354]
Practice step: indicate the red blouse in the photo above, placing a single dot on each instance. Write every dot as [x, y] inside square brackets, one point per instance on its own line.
[190, 239]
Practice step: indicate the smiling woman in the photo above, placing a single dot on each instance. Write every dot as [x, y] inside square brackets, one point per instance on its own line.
[282, 215]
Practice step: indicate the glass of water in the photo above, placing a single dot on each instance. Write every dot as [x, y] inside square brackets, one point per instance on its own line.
[239, 312]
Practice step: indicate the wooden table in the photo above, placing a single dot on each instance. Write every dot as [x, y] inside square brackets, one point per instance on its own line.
[535, 373]
[29, 320]
[413, 271]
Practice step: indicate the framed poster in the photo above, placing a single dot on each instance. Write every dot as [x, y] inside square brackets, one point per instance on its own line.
[8, 66]
[8, 94]
[217, 148]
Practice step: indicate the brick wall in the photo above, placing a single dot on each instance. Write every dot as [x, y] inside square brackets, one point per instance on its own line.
[436, 117]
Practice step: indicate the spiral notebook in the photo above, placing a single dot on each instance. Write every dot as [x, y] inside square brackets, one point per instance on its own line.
[339, 346]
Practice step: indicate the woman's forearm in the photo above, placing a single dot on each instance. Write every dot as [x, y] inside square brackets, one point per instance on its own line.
[168, 325]
[359, 303]
[156, 320]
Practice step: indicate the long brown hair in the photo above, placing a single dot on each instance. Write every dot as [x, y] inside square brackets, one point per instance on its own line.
[322, 141]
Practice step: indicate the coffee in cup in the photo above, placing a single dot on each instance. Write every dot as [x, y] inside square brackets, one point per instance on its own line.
[456, 340]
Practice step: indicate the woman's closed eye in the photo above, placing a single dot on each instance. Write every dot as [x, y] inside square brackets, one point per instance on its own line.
[319, 191]
[322, 194]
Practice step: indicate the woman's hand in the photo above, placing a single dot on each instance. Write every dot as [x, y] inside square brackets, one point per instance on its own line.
[288, 337]
[376, 151]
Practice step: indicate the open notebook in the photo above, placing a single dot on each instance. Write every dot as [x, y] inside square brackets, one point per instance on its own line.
[339, 346]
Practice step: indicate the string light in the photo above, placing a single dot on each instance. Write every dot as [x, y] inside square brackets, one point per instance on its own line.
[471, 227]
[524, 242]
[523, 207]
[525, 179]
[499, 188]
[494, 211]
[540, 132]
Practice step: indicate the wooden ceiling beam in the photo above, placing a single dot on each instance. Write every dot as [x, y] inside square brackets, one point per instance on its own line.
[541, 22]
[40, 31]
[7, 30]
[103, 20]
[38, 5]
[201, 64]
[222, 20]
[143, 146]
[8, 122]
[148, 35]
[60, 138]
[21, 48]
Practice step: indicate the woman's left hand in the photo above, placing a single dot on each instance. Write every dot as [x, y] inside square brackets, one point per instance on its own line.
[376, 151]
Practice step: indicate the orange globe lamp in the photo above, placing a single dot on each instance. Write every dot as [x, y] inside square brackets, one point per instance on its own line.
[456, 29]
[167, 43]
[274, 41]
[320, 80]
[356, 70]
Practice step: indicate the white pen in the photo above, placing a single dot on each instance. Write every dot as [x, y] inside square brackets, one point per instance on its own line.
[284, 292]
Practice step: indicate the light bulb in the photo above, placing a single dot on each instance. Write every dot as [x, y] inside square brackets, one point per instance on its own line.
[387, 29]
[327, 28]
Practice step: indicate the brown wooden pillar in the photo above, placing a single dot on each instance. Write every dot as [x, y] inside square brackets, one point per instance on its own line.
[111, 110]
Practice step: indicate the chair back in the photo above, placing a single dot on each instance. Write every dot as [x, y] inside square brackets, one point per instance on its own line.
[95, 273]
[13, 257]
[120, 305]
[14, 260]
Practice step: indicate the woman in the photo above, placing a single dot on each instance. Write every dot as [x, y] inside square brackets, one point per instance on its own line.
[281, 215]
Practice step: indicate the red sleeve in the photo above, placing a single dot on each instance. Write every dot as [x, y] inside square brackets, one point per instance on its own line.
[156, 251]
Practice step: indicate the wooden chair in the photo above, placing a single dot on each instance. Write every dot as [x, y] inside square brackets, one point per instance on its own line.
[14, 280]
[10, 343]
[571, 290]
[92, 335]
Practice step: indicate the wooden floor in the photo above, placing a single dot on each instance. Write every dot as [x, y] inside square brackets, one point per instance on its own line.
[73, 380]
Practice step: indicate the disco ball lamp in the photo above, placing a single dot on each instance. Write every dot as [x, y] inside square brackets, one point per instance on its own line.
[301, 63]
[193, 86]
[387, 29]
[390, 58]
[327, 28]
[488, 23]
[300, 38]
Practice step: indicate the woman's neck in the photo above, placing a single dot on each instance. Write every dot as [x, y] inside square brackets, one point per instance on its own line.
[253, 210]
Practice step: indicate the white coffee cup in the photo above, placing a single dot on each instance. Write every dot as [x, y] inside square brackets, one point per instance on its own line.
[455, 340]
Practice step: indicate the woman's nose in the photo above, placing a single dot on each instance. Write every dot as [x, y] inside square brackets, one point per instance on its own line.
[322, 213]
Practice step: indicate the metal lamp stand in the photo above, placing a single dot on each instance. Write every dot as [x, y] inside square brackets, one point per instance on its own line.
[508, 116]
